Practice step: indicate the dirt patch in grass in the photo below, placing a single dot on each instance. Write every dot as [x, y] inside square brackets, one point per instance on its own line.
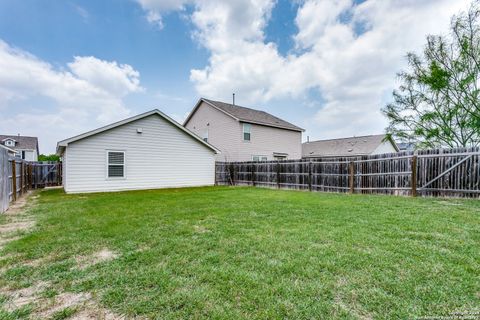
[96, 313]
[81, 305]
[17, 298]
[200, 229]
[16, 226]
[351, 308]
[63, 301]
[16, 220]
[97, 257]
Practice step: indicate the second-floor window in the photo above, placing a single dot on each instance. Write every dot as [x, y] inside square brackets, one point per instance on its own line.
[247, 128]
[205, 135]
[10, 143]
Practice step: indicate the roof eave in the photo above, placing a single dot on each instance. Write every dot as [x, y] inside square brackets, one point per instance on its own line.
[271, 125]
[64, 143]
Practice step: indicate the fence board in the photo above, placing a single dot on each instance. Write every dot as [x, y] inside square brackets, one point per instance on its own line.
[436, 172]
[4, 177]
[17, 176]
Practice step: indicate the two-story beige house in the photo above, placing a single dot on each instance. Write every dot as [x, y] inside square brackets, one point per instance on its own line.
[244, 134]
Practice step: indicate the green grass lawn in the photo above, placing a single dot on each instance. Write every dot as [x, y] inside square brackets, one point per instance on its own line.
[230, 253]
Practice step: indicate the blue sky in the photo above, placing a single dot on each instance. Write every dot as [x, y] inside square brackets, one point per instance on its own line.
[328, 66]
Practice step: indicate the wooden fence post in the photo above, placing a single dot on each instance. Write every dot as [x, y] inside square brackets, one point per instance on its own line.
[59, 175]
[309, 175]
[414, 176]
[30, 178]
[21, 178]
[351, 178]
[14, 180]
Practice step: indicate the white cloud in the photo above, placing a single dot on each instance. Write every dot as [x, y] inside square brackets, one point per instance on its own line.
[116, 79]
[155, 9]
[349, 52]
[58, 102]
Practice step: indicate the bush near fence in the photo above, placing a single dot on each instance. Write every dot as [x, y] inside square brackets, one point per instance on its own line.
[436, 172]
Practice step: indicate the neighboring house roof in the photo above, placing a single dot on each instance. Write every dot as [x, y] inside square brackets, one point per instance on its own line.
[246, 115]
[344, 147]
[22, 142]
[64, 143]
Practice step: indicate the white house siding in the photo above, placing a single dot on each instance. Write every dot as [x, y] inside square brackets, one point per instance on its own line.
[225, 133]
[162, 156]
[64, 168]
[385, 147]
[30, 155]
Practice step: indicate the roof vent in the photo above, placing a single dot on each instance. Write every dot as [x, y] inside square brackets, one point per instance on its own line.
[350, 150]
[233, 98]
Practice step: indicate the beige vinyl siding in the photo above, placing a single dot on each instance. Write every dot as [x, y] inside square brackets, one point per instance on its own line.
[385, 147]
[226, 133]
[160, 157]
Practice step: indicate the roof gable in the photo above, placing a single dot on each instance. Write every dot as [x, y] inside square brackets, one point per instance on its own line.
[244, 114]
[344, 147]
[64, 143]
[22, 142]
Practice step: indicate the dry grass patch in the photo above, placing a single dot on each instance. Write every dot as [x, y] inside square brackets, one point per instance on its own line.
[103, 255]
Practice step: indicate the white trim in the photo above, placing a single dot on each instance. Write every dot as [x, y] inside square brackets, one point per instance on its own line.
[270, 125]
[64, 143]
[107, 151]
[238, 119]
[197, 105]
[8, 149]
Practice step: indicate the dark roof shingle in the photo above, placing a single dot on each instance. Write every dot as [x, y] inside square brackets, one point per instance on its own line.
[253, 116]
[22, 142]
[343, 147]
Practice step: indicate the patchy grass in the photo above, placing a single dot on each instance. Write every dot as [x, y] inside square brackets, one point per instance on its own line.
[246, 253]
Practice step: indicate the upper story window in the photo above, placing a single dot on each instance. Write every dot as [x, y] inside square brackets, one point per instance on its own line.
[247, 128]
[10, 143]
[205, 135]
[259, 158]
[116, 164]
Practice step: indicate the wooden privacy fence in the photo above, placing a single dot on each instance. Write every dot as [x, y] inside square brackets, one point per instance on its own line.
[17, 176]
[439, 172]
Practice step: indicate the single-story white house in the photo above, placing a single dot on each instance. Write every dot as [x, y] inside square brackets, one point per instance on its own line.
[147, 151]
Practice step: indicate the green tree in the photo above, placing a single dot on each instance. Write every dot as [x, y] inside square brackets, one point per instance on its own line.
[49, 157]
[437, 103]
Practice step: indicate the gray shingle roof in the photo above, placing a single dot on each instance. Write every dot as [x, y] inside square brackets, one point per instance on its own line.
[343, 147]
[253, 116]
[22, 142]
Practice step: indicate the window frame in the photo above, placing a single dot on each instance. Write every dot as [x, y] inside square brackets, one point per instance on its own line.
[107, 164]
[249, 126]
[205, 135]
[260, 158]
[9, 143]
